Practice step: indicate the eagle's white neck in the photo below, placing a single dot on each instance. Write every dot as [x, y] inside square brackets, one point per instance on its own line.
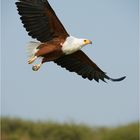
[72, 45]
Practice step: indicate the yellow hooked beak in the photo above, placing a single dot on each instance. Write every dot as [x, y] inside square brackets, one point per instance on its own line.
[86, 41]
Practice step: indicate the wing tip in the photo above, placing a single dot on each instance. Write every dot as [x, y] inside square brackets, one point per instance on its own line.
[118, 79]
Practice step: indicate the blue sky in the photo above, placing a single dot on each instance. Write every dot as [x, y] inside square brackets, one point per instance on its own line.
[56, 94]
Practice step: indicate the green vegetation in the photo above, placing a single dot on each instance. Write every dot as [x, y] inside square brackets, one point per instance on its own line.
[16, 129]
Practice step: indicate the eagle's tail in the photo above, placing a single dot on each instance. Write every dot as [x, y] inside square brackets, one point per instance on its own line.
[32, 48]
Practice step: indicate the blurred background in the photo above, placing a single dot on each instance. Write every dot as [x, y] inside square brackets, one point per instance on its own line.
[53, 101]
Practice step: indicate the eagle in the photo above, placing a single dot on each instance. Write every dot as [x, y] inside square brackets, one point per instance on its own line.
[55, 43]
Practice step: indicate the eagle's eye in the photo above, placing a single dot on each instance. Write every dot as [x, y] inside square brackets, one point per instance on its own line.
[85, 41]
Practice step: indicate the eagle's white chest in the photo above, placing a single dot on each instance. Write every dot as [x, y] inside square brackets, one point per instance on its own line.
[71, 45]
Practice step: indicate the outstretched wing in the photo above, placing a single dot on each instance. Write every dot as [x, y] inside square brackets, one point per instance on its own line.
[80, 63]
[40, 20]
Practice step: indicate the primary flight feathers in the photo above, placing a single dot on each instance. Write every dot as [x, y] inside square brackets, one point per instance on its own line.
[56, 44]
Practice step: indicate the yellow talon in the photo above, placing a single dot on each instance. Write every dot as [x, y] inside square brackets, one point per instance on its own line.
[32, 59]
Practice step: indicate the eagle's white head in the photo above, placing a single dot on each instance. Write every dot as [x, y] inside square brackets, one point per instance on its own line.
[73, 44]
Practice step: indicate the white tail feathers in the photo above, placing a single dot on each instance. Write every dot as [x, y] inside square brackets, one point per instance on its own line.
[32, 48]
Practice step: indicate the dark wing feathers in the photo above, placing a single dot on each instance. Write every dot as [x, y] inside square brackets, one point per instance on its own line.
[40, 20]
[80, 63]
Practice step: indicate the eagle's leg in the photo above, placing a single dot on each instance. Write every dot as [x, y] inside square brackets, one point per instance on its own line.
[37, 66]
[44, 59]
[32, 59]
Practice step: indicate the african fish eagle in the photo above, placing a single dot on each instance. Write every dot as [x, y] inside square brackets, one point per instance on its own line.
[55, 44]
